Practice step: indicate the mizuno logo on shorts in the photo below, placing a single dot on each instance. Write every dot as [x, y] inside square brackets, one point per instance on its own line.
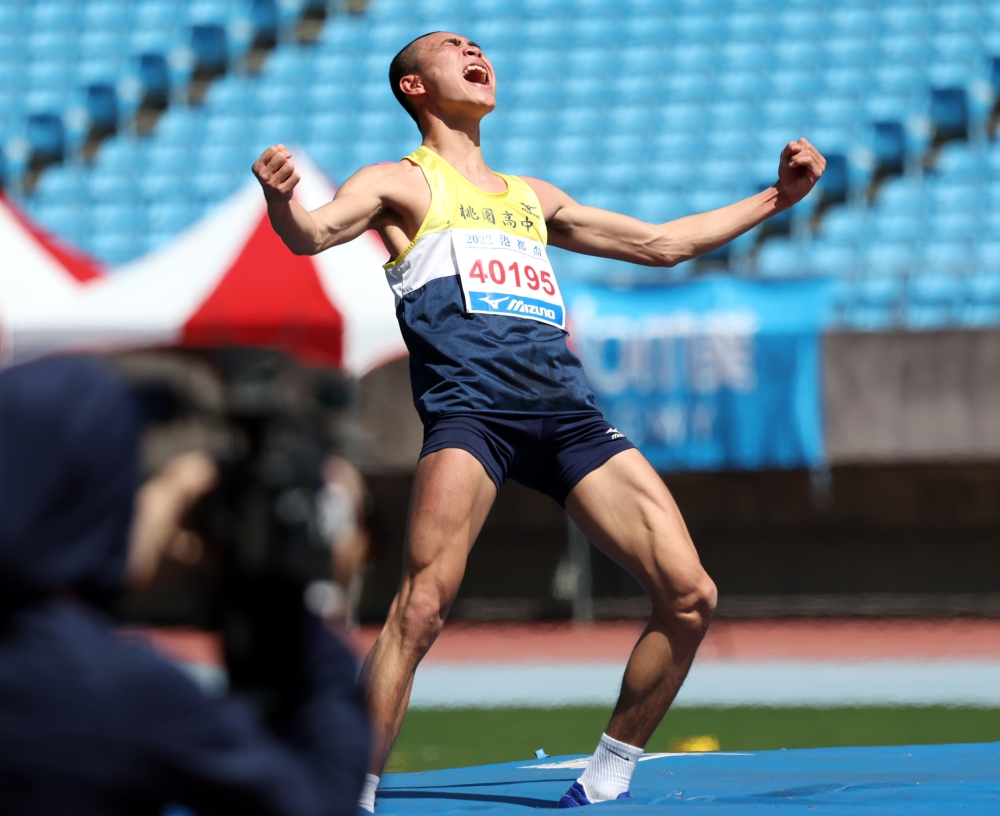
[614, 434]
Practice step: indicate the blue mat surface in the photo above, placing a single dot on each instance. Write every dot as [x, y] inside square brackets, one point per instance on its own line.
[928, 778]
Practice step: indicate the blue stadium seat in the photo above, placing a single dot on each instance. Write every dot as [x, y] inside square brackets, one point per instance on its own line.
[890, 257]
[875, 302]
[621, 176]
[947, 256]
[275, 128]
[265, 21]
[987, 255]
[46, 136]
[981, 306]
[656, 206]
[946, 196]
[12, 19]
[835, 259]
[102, 107]
[647, 30]
[888, 144]
[332, 128]
[107, 15]
[163, 184]
[68, 221]
[180, 126]
[108, 185]
[226, 130]
[672, 175]
[833, 110]
[903, 55]
[122, 155]
[290, 66]
[845, 227]
[956, 227]
[50, 17]
[115, 249]
[959, 17]
[171, 218]
[780, 258]
[933, 300]
[849, 53]
[949, 112]
[210, 47]
[956, 162]
[907, 19]
[958, 49]
[273, 95]
[214, 186]
[332, 68]
[154, 78]
[848, 81]
[892, 225]
[62, 185]
[902, 196]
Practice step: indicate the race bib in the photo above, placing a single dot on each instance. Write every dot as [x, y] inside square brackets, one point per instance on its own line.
[506, 275]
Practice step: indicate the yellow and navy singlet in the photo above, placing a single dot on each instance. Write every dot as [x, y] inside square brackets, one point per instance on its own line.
[479, 306]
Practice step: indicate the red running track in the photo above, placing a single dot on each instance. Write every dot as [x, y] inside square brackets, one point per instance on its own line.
[806, 639]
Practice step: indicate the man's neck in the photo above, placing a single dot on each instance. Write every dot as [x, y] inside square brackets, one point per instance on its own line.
[458, 144]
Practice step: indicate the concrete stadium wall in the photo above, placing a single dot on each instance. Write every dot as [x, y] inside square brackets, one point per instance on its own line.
[912, 397]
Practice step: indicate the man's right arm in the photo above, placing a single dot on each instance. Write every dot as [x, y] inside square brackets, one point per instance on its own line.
[352, 211]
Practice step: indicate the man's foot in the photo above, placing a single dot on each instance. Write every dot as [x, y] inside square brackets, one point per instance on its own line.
[576, 796]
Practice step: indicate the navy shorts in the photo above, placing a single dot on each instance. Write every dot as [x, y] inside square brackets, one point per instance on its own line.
[550, 454]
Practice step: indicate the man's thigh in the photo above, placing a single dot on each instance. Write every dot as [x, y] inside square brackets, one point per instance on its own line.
[625, 509]
[452, 495]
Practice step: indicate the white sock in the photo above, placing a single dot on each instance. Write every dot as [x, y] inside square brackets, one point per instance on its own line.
[610, 769]
[367, 800]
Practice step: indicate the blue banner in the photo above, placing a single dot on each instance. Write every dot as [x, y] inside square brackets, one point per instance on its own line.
[715, 374]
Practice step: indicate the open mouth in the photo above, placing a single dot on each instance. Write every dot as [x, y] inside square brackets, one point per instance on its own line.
[476, 74]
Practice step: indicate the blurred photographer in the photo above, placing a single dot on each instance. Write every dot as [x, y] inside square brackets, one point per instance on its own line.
[90, 724]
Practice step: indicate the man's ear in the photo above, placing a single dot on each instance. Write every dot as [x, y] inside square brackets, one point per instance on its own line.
[412, 85]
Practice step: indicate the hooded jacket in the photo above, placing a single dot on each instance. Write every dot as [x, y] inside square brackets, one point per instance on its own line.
[91, 724]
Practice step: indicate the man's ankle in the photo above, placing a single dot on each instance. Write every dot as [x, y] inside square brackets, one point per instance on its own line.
[367, 798]
[610, 770]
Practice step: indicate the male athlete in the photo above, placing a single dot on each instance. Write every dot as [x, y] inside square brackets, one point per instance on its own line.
[500, 393]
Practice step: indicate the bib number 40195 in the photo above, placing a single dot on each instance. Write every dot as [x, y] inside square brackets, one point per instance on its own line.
[505, 276]
[534, 280]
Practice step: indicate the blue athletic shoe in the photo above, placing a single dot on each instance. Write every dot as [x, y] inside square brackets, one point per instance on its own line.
[576, 796]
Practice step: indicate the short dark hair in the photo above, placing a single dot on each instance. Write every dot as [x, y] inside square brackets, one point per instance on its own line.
[406, 62]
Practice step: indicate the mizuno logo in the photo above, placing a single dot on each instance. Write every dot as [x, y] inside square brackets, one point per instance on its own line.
[521, 307]
[493, 303]
[614, 434]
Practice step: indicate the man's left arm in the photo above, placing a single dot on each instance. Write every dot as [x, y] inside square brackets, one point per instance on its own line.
[592, 231]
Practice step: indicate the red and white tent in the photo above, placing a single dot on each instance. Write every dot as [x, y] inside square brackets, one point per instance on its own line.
[226, 280]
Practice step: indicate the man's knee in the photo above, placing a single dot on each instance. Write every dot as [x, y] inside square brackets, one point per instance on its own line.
[690, 608]
[423, 610]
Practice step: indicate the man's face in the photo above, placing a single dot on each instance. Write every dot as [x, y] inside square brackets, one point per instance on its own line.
[456, 74]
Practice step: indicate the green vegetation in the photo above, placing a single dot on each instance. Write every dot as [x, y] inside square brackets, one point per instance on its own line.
[450, 739]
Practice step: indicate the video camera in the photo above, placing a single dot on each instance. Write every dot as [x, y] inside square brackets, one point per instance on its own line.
[264, 525]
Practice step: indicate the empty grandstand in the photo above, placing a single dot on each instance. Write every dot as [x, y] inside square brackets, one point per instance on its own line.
[124, 120]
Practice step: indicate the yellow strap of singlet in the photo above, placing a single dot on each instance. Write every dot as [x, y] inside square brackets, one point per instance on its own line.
[456, 203]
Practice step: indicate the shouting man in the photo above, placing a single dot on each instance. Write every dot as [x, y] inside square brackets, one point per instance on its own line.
[499, 391]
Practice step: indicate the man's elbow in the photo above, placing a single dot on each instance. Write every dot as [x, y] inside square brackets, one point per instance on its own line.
[302, 247]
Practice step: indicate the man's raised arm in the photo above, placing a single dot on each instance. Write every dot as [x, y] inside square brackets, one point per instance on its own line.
[352, 211]
[593, 231]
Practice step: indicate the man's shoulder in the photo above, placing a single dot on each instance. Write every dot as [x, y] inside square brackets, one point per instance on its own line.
[393, 172]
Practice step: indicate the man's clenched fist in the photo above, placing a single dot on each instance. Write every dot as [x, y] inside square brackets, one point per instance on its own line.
[799, 169]
[276, 173]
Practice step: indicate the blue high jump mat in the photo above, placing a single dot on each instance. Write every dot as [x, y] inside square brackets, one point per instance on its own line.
[925, 778]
